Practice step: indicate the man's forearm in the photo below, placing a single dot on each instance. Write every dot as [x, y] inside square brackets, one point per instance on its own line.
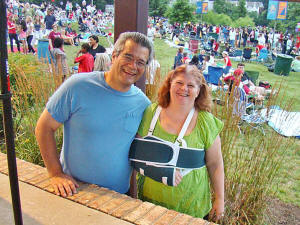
[47, 144]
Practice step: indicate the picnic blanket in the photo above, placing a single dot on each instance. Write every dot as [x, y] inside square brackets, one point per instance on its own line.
[283, 122]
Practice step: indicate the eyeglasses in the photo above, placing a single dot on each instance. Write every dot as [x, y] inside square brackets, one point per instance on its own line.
[141, 64]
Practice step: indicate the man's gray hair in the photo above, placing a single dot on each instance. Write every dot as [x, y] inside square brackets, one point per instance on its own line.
[138, 38]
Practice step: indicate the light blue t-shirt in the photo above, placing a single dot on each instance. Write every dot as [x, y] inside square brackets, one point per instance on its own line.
[99, 126]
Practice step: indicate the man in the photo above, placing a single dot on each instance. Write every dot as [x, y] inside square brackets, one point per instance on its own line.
[95, 47]
[101, 113]
[49, 21]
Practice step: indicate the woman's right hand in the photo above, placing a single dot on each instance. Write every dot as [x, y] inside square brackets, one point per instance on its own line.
[178, 177]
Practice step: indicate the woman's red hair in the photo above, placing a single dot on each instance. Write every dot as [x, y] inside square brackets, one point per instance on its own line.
[203, 100]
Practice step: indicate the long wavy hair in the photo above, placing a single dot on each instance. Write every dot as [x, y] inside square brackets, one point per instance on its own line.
[202, 102]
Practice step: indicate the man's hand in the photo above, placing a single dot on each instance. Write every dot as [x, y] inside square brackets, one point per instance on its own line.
[178, 177]
[64, 185]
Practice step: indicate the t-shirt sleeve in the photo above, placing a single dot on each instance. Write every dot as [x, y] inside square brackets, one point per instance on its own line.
[145, 123]
[80, 58]
[62, 103]
[211, 128]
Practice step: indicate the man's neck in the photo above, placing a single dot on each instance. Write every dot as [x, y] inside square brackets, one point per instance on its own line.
[114, 84]
[95, 46]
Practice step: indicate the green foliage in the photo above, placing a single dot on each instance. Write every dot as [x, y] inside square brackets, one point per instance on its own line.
[241, 8]
[243, 22]
[217, 19]
[181, 11]
[261, 18]
[219, 6]
[32, 84]
[158, 7]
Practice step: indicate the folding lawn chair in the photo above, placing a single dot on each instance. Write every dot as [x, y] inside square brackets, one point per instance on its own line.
[241, 106]
[214, 74]
[247, 53]
[253, 75]
[262, 55]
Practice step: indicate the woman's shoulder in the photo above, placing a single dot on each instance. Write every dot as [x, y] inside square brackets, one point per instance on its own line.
[150, 110]
[207, 119]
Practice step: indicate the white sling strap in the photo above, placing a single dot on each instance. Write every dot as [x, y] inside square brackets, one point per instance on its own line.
[179, 139]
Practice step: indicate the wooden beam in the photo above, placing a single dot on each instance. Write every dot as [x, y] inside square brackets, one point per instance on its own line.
[131, 15]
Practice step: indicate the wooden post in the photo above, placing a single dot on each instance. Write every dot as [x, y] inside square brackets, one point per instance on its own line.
[131, 15]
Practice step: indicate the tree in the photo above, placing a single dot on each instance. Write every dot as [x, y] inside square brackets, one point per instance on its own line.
[244, 22]
[241, 8]
[217, 19]
[219, 6]
[181, 11]
[157, 7]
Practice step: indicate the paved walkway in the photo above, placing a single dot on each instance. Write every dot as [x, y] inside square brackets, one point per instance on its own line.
[41, 207]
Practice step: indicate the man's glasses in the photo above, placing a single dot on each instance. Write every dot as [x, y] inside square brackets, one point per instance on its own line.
[129, 59]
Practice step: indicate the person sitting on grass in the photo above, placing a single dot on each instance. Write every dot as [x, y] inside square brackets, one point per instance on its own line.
[296, 64]
[86, 60]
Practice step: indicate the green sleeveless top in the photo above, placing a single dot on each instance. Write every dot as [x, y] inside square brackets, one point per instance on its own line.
[192, 195]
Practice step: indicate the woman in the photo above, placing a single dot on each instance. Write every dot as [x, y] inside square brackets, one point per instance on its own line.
[30, 29]
[12, 33]
[23, 36]
[37, 29]
[183, 89]
[102, 62]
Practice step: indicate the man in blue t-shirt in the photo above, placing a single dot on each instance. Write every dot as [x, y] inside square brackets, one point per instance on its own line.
[101, 113]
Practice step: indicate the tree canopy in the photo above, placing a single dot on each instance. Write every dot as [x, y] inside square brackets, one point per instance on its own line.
[158, 7]
[181, 11]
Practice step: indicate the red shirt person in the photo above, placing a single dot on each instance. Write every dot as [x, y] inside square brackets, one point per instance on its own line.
[53, 34]
[86, 60]
[12, 33]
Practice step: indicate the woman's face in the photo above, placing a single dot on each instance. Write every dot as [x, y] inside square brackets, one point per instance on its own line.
[184, 89]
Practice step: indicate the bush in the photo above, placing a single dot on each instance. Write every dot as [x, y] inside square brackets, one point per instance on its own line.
[244, 22]
[217, 19]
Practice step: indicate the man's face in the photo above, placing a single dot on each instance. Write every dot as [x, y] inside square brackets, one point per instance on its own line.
[129, 65]
[241, 68]
[92, 41]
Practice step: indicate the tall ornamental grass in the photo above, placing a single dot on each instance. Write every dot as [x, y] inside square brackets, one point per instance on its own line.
[252, 158]
[32, 83]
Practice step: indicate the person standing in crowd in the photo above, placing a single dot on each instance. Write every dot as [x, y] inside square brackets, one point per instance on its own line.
[95, 47]
[60, 58]
[23, 36]
[86, 60]
[30, 28]
[53, 34]
[37, 34]
[96, 109]
[49, 21]
[12, 33]
[227, 62]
